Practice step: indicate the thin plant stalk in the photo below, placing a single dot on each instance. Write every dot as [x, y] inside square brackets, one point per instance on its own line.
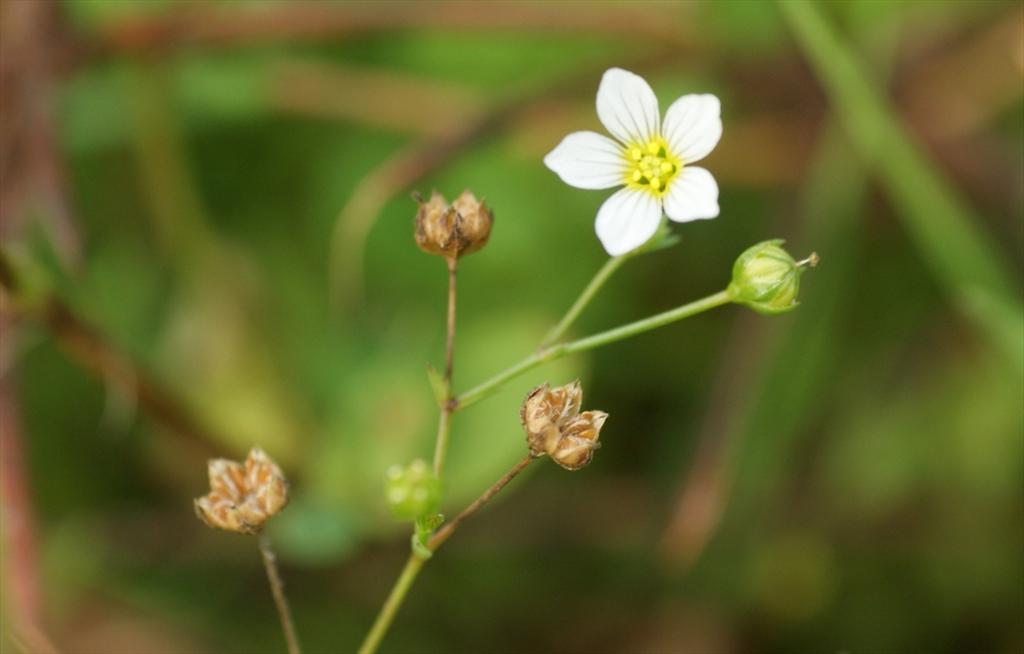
[553, 352]
[416, 561]
[392, 604]
[606, 271]
[449, 345]
[445, 532]
[280, 599]
[444, 421]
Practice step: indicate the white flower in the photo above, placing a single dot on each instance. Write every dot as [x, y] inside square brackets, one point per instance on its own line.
[651, 159]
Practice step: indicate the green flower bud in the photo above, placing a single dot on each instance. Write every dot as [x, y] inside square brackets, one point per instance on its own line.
[767, 279]
[412, 491]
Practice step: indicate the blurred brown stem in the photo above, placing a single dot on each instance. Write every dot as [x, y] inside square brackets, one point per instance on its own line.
[90, 349]
[449, 347]
[33, 169]
[21, 560]
[444, 421]
[284, 612]
[207, 26]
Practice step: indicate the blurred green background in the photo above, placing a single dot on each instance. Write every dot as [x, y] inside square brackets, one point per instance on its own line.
[221, 191]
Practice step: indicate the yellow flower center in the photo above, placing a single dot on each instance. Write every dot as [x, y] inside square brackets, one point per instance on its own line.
[651, 166]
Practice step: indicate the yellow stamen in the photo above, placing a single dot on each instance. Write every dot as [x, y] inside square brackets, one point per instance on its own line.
[651, 166]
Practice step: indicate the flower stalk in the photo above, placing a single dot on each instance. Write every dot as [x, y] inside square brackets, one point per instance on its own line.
[280, 599]
[391, 605]
[602, 276]
[447, 407]
[550, 353]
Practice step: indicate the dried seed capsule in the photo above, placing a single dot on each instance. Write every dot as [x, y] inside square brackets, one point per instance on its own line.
[243, 496]
[555, 426]
[474, 222]
[547, 407]
[435, 226]
[452, 231]
[579, 440]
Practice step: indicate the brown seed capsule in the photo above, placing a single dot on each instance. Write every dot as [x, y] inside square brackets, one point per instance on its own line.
[555, 426]
[579, 440]
[474, 222]
[547, 407]
[243, 496]
[452, 231]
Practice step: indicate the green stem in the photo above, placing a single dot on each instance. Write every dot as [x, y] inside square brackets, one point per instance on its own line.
[444, 423]
[392, 604]
[553, 352]
[415, 562]
[584, 299]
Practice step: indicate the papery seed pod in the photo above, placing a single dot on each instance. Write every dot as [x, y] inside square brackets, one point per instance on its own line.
[547, 407]
[554, 425]
[579, 440]
[243, 496]
[766, 278]
[435, 226]
[452, 231]
[413, 491]
[474, 222]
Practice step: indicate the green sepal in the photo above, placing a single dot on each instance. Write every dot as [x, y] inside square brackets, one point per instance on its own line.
[663, 239]
[425, 527]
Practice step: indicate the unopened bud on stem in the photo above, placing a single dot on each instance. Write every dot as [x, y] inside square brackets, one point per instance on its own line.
[412, 491]
[767, 279]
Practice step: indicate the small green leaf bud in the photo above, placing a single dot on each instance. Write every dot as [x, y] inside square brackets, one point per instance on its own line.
[412, 491]
[767, 279]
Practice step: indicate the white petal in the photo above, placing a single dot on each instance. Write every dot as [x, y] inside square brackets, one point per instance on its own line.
[627, 106]
[692, 195]
[627, 220]
[588, 160]
[693, 125]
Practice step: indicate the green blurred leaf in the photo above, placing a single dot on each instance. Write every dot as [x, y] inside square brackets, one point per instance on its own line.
[943, 227]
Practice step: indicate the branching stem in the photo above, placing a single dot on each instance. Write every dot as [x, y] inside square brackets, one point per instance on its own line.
[553, 352]
[415, 561]
[451, 404]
